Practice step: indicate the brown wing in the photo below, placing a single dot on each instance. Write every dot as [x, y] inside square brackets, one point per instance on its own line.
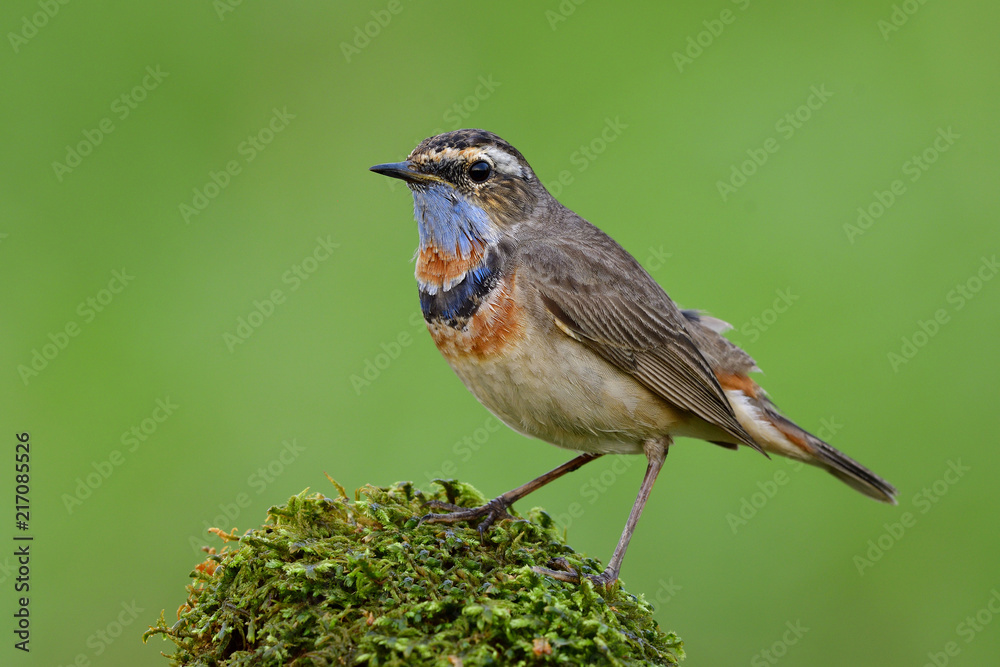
[599, 295]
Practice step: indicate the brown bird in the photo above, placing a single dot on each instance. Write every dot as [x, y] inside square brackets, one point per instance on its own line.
[559, 332]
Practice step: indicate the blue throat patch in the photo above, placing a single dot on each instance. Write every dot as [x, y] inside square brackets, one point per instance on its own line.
[447, 221]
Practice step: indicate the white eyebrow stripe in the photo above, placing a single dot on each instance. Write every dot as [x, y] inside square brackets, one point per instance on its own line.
[505, 162]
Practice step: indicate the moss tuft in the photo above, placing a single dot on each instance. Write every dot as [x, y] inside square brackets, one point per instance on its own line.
[334, 582]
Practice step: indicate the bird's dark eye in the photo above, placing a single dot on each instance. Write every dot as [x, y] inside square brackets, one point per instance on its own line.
[480, 171]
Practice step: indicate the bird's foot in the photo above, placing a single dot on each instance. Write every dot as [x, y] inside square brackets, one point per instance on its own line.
[561, 569]
[493, 511]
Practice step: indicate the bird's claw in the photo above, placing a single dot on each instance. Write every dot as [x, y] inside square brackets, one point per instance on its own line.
[490, 513]
[561, 570]
[442, 505]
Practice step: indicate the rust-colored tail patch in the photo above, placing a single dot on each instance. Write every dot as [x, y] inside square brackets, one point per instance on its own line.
[790, 431]
[739, 382]
[742, 383]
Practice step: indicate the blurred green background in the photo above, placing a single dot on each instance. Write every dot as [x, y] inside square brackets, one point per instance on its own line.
[261, 328]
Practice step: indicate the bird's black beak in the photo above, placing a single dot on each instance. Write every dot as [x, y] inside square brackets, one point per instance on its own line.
[406, 171]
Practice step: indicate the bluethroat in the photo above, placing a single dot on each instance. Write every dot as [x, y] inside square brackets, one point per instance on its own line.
[562, 335]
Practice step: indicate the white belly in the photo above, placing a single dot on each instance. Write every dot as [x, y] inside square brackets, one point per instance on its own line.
[551, 387]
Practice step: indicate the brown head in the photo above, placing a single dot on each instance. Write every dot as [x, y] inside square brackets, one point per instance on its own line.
[486, 171]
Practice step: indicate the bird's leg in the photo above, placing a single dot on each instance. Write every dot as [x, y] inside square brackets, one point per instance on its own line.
[497, 508]
[656, 454]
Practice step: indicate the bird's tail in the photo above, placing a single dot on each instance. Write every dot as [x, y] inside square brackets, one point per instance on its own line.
[818, 453]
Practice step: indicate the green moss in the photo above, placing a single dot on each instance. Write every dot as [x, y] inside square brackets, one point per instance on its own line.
[334, 582]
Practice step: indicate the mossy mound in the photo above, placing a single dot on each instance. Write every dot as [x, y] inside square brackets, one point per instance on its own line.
[334, 582]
